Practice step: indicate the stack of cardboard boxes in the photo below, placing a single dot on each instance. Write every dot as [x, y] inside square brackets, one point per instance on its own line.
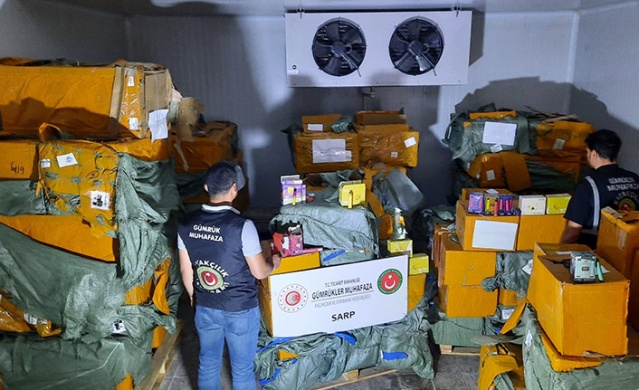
[66, 131]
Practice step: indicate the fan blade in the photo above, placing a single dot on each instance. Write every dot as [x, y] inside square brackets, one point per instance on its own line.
[322, 50]
[353, 37]
[413, 29]
[332, 31]
[433, 39]
[398, 45]
[423, 62]
[405, 62]
[333, 66]
[353, 59]
[432, 61]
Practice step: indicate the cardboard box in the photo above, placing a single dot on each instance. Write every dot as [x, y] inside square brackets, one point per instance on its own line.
[463, 268]
[467, 301]
[507, 297]
[416, 289]
[439, 235]
[326, 152]
[633, 301]
[319, 123]
[335, 299]
[290, 243]
[562, 363]
[563, 139]
[293, 190]
[557, 203]
[379, 117]
[106, 102]
[302, 262]
[539, 228]
[500, 359]
[205, 150]
[393, 148]
[485, 232]
[400, 246]
[532, 204]
[578, 318]
[418, 264]
[618, 239]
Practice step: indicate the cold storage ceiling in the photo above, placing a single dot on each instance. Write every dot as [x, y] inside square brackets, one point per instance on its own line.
[278, 7]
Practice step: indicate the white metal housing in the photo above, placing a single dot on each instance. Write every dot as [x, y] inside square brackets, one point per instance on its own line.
[377, 68]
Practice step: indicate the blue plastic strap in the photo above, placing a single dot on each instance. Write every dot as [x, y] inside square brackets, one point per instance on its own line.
[346, 336]
[394, 355]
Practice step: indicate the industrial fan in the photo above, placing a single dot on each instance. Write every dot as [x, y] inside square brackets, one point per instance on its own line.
[416, 46]
[339, 47]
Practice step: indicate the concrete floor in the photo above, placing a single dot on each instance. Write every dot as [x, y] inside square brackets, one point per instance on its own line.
[454, 372]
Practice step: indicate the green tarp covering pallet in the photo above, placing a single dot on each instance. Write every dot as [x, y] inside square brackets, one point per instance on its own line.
[103, 339]
[325, 357]
[613, 373]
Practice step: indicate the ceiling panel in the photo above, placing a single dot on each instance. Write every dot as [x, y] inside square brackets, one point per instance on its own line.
[278, 7]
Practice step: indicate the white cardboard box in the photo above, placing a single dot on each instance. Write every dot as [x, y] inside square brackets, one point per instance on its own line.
[532, 204]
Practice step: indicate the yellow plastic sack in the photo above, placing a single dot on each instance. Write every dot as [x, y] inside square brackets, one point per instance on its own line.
[110, 101]
[79, 177]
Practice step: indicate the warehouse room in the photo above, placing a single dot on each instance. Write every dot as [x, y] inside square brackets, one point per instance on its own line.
[352, 166]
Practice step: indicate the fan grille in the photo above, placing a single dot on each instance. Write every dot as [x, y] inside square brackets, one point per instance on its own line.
[416, 46]
[339, 47]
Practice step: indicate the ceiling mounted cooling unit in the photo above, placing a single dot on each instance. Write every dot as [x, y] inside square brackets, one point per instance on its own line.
[377, 48]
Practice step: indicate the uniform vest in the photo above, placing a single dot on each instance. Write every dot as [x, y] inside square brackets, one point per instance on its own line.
[222, 278]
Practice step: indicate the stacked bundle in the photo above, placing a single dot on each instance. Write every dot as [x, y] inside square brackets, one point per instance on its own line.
[519, 150]
[88, 280]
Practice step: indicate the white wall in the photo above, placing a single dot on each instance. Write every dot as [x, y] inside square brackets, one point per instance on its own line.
[236, 68]
[606, 77]
[41, 30]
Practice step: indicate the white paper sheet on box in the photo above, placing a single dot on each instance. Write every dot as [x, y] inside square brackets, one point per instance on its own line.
[499, 133]
[330, 151]
[494, 235]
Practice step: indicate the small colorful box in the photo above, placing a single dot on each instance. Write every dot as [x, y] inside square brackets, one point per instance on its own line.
[532, 204]
[418, 264]
[557, 203]
[293, 190]
[400, 246]
[476, 203]
[352, 193]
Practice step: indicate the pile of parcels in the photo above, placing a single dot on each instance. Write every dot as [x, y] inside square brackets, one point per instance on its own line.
[567, 305]
[518, 150]
[342, 232]
[89, 278]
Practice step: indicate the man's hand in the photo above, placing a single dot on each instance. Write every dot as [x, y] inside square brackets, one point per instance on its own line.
[277, 260]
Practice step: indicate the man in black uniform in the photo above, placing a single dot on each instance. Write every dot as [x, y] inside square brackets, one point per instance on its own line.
[609, 185]
[220, 258]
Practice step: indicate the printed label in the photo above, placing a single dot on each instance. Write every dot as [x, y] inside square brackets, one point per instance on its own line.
[100, 200]
[410, 142]
[559, 143]
[490, 175]
[66, 160]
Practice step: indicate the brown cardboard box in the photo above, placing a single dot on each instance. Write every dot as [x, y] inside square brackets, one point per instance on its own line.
[633, 301]
[312, 157]
[618, 239]
[319, 123]
[463, 268]
[467, 301]
[578, 318]
[496, 360]
[204, 151]
[539, 228]
[396, 148]
[507, 297]
[19, 160]
[495, 232]
[416, 289]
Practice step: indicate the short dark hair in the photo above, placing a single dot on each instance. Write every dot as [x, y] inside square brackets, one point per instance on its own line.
[605, 142]
[221, 176]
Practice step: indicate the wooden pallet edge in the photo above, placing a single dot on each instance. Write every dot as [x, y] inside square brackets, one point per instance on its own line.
[352, 376]
[162, 359]
[454, 350]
